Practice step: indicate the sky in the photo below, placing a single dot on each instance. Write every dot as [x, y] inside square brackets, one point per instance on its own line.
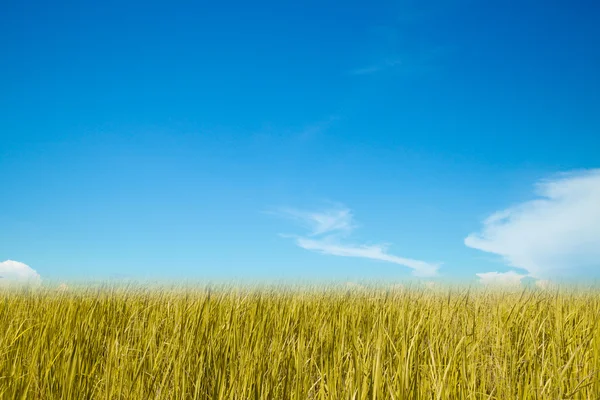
[449, 140]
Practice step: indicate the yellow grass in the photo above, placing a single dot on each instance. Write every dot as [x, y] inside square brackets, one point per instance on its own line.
[236, 343]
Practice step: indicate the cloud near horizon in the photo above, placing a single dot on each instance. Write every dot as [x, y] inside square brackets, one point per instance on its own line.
[552, 236]
[327, 234]
[14, 272]
[504, 279]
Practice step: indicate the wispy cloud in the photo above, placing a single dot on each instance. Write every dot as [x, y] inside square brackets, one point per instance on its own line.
[413, 63]
[294, 135]
[554, 235]
[337, 220]
[328, 231]
[406, 46]
[371, 69]
[312, 130]
[14, 272]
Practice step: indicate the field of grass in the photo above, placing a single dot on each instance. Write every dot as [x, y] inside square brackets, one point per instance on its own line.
[278, 343]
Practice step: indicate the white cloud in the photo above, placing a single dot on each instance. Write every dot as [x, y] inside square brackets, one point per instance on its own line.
[551, 236]
[14, 272]
[504, 279]
[328, 230]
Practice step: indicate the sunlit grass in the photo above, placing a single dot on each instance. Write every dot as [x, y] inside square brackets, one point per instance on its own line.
[313, 343]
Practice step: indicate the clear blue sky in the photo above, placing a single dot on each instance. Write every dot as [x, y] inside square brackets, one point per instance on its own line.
[175, 139]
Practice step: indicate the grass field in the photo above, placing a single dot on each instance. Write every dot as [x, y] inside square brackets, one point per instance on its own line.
[319, 343]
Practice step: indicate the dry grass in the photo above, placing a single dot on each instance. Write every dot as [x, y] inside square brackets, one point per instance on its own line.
[240, 343]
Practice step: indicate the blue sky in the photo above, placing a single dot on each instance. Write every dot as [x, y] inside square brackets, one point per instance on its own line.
[312, 140]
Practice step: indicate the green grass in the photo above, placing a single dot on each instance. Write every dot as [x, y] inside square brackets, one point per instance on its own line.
[241, 343]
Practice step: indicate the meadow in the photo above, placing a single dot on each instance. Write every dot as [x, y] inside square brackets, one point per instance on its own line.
[299, 343]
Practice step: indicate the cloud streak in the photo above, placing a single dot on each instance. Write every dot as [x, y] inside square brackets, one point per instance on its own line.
[335, 220]
[327, 234]
[371, 69]
[311, 131]
[555, 235]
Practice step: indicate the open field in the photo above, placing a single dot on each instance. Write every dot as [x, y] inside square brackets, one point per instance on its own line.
[236, 343]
